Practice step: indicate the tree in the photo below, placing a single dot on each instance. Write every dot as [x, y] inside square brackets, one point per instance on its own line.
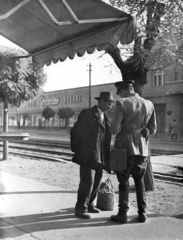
[158, 42]
[66, 113]
[20, 81]
[48, 113]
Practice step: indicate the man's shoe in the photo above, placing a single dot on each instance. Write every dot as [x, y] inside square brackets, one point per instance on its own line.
[92, 209]
[142, 217]
[83, 215]
[119, 218]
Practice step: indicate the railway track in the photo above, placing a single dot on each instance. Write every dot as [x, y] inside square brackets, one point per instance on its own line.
[41, 150]
[66, 145]
[60, 152]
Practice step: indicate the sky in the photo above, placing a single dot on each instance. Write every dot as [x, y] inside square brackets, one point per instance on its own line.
[75, 73]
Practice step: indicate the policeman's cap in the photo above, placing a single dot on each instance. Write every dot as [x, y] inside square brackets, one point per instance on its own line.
[123, 85]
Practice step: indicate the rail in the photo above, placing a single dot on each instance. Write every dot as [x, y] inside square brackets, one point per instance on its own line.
[60, 152]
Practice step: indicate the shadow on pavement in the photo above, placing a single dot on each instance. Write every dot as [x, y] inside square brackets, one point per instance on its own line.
[62, 219]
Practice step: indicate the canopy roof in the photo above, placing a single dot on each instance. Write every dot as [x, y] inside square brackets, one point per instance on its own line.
[52, 30]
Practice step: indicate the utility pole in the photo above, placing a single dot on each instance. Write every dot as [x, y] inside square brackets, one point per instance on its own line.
[5, 129]
[89, 85]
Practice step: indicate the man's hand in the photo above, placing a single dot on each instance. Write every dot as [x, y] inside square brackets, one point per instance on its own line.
[145, 133]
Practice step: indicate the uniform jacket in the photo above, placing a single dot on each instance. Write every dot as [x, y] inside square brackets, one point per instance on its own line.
[90, 139]
[132, 114]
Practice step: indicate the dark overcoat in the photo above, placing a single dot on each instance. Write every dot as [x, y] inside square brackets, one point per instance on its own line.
[90, 139]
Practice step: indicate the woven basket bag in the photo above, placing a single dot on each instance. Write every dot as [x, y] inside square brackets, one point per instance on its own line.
[106, 196]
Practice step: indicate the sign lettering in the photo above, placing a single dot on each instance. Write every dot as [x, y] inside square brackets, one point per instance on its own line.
[50, 100]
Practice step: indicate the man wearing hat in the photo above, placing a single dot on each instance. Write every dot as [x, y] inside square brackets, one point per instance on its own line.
[90, 142]
[134, 119]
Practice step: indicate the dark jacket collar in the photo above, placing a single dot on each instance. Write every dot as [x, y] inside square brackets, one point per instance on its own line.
[97, 116]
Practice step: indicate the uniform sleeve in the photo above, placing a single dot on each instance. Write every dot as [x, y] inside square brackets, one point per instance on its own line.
[115, 126]
[152, 124]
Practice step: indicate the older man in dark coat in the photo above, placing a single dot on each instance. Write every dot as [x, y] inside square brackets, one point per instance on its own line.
[90, 141]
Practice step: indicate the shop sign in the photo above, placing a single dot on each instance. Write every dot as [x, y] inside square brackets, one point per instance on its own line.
[50, 100]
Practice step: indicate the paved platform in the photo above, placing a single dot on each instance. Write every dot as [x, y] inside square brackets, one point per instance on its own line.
[32, 210]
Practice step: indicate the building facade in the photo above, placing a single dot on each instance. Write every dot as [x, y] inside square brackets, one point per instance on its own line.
[164, 89]
[30, 113]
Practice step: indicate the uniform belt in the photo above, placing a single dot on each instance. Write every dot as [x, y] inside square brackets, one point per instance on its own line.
[131, 132]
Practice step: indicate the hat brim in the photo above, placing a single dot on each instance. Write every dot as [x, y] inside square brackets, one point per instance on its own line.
[98, 98]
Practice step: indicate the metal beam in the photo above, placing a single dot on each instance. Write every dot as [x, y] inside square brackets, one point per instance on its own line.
[13, 10]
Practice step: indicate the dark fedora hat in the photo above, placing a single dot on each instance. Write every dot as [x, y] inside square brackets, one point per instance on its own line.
[105, 96]
[124, 84]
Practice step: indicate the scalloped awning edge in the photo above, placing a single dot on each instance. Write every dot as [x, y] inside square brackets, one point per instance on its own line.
[123, 33]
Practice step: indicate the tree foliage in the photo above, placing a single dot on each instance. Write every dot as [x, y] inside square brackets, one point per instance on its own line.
[20, 80]
[48, 113]
[158, 37]
[65, 113]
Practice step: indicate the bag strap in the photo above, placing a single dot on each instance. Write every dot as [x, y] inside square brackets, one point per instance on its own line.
[108, 181]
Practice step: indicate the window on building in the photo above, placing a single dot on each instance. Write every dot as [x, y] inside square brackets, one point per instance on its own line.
[158, 77]
[178, 74]
[80, 98]
[77, 98]
[73, 99]
[68, 99]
